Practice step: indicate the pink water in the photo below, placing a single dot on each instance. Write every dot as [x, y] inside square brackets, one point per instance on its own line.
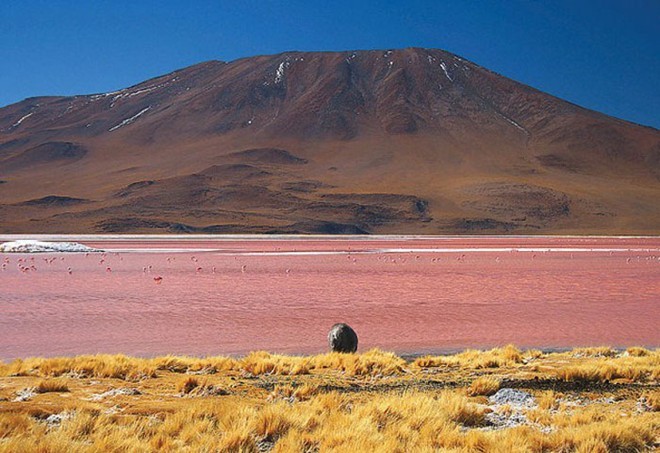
[229, 296]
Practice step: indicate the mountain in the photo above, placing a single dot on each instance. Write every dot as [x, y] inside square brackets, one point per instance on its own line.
[411, 141]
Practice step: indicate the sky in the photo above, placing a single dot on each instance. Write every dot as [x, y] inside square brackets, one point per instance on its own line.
[602, 54]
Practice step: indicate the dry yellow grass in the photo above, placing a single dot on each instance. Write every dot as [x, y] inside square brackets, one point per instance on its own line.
[652, 399]
[374, 362]
[52, 385]
[187, 385]
[374, 401]
[495, 358]
[639, 367]
[484, 385]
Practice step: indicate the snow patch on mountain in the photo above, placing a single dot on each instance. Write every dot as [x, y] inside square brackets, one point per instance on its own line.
[129, 120]
[444, 68]
[279, 74]
[17, 123]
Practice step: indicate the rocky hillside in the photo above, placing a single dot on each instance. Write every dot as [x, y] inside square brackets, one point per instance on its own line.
[413, 141]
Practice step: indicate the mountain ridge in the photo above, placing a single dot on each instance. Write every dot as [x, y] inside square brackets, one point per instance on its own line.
[288, 52]
[480, 152]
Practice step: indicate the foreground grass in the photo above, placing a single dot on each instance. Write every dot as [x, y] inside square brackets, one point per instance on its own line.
[593, 399]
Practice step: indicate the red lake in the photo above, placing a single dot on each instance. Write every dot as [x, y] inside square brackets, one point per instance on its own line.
[150, 295]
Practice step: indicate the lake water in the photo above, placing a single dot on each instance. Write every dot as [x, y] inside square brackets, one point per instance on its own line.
[230, 295]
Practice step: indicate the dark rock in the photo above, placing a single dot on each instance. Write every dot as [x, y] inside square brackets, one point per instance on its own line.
[53, 200]
[321, 227]
[342, 338]
[273, 156]
[133, 187]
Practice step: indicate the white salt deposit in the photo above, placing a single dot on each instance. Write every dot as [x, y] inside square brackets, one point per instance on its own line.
[508, 409]
[514, 398]
[115, 392]
[30, 246]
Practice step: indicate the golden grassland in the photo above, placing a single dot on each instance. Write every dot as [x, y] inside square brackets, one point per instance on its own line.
[585, 400]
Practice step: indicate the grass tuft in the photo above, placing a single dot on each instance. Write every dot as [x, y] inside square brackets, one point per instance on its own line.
[187, 385]
[51, 385]
[485, 385]
[507, 356]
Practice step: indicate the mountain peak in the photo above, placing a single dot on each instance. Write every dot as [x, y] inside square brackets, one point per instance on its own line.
[385, 141]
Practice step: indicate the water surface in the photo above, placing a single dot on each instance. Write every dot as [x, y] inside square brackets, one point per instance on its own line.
[202, 295]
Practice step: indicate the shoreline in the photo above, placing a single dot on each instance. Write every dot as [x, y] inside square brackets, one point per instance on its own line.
[327, 237]
[406, 356]
[504, 399]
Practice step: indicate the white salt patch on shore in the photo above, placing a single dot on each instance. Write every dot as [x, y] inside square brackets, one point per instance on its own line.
[29, 246]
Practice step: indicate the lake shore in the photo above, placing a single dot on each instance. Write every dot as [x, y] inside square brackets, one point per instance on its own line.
[587, 399]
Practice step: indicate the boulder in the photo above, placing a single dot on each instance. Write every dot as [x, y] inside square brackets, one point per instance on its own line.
[342, 338]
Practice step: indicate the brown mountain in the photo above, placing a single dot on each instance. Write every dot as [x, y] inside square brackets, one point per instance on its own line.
[411, 141]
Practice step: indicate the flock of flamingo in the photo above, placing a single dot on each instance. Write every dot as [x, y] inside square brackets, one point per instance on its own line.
[28, 264]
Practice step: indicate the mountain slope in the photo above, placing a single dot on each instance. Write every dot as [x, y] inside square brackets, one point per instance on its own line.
[411, 141]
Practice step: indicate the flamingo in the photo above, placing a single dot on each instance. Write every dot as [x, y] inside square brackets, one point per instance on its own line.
[158, 280]
[68, 269]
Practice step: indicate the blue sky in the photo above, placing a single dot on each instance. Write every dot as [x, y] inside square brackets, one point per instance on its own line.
[603, 54]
